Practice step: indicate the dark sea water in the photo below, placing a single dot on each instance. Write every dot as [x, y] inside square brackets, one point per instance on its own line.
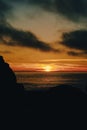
[32, 80]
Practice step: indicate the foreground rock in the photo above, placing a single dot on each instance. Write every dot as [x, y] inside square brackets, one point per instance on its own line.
[11, 93]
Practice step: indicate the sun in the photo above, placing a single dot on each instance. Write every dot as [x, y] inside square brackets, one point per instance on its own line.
[48, 68]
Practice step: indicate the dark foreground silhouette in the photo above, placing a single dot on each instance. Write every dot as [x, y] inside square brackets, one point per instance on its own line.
[61, 96]
[8, 81]
[58, 101]
[59, 106]
[11, 94]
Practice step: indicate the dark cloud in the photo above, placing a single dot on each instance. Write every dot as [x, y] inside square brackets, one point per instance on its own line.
[76, 39]
[73, 53]
[13, 37]
[4, 10]
[72, 9]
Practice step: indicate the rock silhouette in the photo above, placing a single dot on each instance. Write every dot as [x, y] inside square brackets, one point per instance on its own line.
[11, 95]
[7, 77]
[10, 91]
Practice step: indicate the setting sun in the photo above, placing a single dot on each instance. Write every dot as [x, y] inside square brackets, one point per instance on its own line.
[48, 68]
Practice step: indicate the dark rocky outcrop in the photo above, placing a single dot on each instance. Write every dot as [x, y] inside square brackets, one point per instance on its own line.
[11, 92]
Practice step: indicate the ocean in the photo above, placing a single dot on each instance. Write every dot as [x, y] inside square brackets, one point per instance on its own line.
[39, 80]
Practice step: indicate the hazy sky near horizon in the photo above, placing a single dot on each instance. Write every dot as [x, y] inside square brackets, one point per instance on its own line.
[34, 31]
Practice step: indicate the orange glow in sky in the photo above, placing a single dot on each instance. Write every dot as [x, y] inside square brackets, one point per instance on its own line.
[34, 38]
[47, 67]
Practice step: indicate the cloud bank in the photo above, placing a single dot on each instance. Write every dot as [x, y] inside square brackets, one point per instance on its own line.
[4, 10]
[14, 37]
[72, 9]
[74, 53]
[76, 40]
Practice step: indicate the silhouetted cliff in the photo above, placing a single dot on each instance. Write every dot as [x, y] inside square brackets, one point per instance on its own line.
[11, 92]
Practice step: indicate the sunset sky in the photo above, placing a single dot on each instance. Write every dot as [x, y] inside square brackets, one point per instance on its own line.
[44, 34]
